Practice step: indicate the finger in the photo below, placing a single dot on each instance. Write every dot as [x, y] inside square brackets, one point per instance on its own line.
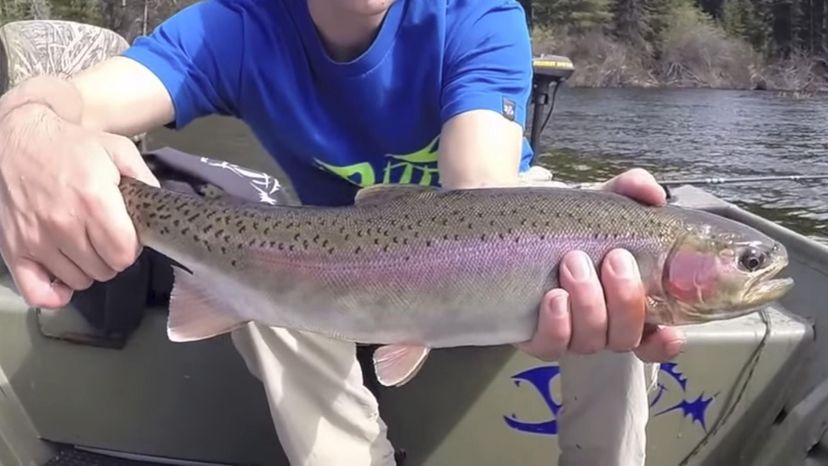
[36, 286]
[637, 184]
[111, 231]
[551, 338]
[660, 344]
[586, 303]
[128, 160]
[625, 300]
[62, 268]
[80, 251]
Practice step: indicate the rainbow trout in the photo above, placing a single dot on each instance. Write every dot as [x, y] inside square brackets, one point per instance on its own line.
[413, 268]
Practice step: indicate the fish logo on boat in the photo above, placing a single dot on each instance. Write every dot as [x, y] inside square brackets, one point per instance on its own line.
[671, 381]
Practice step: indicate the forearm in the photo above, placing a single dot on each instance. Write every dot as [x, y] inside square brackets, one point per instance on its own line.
[479, 149]
[117, 96]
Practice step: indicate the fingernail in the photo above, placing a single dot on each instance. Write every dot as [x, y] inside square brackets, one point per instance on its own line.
[581, 268]
[558, 306]
[676, 346]
[622, 266]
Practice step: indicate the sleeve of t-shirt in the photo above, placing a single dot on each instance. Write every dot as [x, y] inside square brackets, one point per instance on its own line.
[488, 59]
[197, 55]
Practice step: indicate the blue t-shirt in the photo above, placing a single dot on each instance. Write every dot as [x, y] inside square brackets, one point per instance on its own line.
[337, 126]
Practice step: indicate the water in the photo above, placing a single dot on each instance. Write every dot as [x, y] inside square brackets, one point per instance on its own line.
[597, 133]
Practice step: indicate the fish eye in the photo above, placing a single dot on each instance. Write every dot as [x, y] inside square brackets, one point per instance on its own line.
[752, 259]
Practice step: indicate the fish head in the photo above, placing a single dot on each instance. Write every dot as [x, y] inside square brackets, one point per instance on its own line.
[719, 268]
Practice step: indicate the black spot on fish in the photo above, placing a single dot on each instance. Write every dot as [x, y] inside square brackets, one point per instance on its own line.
[359, 233]
[325, 243]
[191, 219]
[151, 215]
[242, 229]
[227, 239]
[296, 236]
[347, 236]
[290, 247]
[305, 243]
[185, 230]
[394, 239]
[428, 243]
[385, 248]
[252, 242]
[281, 246]
[358, 249]
[266, 230]
[483, 237]
[331, 251]
[233, 262]
[315, 239]
[219, 233]
[207, 228]
[223, 250]
[195, 237]
[255, 226]
[470, 226]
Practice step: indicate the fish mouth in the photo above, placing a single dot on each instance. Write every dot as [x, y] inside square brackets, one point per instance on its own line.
[764, 288]
[771, 290]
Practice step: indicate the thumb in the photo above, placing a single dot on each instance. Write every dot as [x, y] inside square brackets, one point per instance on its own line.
[36, 286]
[128, 160]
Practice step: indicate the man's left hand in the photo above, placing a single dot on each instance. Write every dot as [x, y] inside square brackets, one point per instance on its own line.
[587, 315]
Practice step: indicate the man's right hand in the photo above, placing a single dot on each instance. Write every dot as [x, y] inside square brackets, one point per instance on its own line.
[63, 222]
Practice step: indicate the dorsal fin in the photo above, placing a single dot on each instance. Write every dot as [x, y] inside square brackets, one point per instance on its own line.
[386, 193]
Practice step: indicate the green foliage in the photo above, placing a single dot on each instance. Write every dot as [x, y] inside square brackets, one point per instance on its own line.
[84, 11]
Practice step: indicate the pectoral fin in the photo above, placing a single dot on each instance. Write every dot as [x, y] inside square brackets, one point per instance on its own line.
[195, 312]
[397, 364]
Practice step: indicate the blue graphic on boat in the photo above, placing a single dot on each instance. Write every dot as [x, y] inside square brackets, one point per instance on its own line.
[541, 378]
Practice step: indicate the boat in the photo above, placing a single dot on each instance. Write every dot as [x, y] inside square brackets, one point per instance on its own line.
[79, 387]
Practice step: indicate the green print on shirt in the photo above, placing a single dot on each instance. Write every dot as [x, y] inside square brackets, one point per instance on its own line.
[418, 167]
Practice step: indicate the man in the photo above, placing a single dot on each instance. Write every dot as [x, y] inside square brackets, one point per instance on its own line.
[339, 92]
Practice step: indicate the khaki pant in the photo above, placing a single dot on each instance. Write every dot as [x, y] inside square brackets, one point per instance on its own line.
[324, 415]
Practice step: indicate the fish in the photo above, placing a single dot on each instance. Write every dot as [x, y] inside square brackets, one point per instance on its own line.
[412, 268]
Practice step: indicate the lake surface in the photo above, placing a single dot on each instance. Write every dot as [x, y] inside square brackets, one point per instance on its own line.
[597, 133]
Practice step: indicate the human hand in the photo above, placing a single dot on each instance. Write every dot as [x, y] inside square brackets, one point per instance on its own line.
[584, 317]
[63, 222]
